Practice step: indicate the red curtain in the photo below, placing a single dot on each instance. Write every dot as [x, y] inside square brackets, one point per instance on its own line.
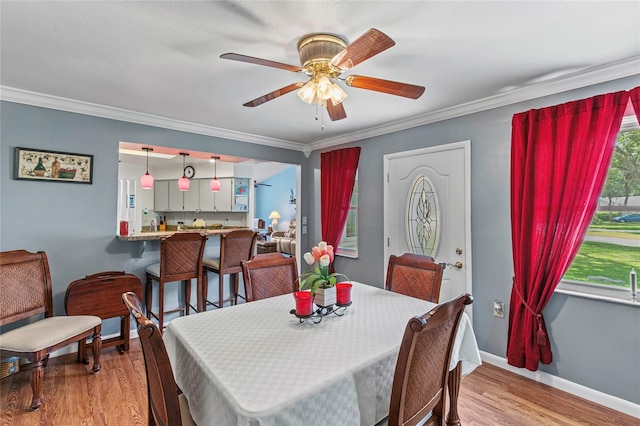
[560, 158]
[337, 175]
[635, 100]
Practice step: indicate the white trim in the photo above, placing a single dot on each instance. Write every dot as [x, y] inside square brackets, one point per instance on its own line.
[602, 292]
[600, 74]
[466, 147]
[613, 402]
[619, 69]
[11, 94]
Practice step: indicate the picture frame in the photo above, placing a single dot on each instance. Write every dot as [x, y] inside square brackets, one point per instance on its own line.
[52, 166]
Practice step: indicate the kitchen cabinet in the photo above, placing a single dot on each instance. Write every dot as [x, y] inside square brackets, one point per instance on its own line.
[199, 198]
[161, 195]
[176, 199]
[168, 198]
[191, 200]
[216, 201]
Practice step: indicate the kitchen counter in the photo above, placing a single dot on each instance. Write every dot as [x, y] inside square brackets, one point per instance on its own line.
[143, 237]
[148, 236]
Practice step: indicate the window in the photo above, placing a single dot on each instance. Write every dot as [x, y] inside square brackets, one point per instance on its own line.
[611, 247]
[348, 245]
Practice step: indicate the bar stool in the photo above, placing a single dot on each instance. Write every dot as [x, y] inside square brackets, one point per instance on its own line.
[235, 247]
[180, 260]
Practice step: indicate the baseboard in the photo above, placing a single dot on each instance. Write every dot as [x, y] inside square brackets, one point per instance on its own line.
[565, 385]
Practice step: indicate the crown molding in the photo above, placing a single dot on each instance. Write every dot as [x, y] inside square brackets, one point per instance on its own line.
[590, 76]
[11, 94]
[595, 75]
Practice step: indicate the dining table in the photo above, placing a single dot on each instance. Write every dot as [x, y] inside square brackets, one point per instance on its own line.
[257, 363]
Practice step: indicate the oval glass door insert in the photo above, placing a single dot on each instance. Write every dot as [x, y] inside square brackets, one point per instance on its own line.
[423, 217]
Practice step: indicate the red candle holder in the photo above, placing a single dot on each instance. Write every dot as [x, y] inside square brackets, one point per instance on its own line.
[304, 303]
[343, 293]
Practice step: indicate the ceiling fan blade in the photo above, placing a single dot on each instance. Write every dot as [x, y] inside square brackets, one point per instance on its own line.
[336, 112]
[367, 45]
[271, 96]
[385, 86]
[259, 61]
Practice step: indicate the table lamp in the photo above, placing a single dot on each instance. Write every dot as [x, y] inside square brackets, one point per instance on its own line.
[275, 216]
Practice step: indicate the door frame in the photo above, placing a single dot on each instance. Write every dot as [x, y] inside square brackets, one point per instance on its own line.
[466, 147]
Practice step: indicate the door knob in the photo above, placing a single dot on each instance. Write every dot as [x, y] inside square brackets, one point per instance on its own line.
[457, 265]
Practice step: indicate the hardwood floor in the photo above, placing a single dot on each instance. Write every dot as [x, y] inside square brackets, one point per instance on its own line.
[489, 396]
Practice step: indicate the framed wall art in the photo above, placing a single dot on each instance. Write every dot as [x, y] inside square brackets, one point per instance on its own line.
[35, 164]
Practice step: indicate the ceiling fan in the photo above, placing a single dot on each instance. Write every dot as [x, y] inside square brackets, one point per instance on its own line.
[256, 184]
[324, 57]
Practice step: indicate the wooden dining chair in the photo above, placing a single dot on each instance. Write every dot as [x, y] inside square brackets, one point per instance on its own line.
[25, 292]
[235, 247]
[420, 380]
[180, 260]
[167, 404]
[269, 275]
[414, 275]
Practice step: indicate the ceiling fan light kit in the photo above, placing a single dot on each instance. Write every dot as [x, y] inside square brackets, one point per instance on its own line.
[324, 57]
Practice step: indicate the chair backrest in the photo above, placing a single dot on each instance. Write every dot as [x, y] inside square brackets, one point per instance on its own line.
[164, 406]
[235, 247]
[181, 256]
[269, 275]
[414, 275]
[422, 370]
[25, 285]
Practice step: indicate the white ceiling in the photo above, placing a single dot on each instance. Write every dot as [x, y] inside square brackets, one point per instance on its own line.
[158, 62]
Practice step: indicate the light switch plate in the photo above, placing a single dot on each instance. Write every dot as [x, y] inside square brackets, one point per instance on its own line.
[498, 309]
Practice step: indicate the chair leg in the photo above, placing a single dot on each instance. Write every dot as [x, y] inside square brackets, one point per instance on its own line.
[37, 379]
[205, 290]
[187, 295]
[161, 305]
[235, 288]
[82, 351]
[221, 290]
[96, 347]
[149, 294]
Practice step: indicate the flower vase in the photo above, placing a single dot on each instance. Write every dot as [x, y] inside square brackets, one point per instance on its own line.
[325, 296]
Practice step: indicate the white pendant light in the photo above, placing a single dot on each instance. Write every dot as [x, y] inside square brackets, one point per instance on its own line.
[147, 179]
[215, 183]
[183, 182]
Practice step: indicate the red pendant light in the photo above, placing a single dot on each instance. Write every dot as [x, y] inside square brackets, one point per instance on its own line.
[183, 182]
[215, 183]
[147, 179]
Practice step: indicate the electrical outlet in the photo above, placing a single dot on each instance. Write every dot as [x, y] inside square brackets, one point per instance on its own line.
[498, 309]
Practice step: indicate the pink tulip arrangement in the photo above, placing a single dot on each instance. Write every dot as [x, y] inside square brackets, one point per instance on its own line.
[320, 259]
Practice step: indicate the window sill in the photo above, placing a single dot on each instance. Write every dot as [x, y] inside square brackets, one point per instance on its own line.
[351, 254]
[597, 292]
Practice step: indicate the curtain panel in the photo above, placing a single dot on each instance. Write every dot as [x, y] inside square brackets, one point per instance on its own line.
[560, 158]
[337, 175]
[634, 94]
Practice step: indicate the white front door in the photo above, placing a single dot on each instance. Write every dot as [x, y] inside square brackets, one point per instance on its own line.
[427, 210]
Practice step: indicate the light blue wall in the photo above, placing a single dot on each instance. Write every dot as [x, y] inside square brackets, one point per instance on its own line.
[276, 197]
[75, 224]
[595, 343]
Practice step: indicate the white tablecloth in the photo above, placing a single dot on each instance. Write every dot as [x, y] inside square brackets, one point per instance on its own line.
[256, 364]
